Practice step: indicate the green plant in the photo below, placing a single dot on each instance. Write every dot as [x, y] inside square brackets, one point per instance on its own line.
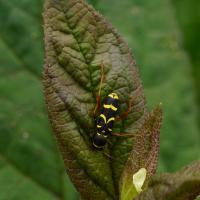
[28, 154]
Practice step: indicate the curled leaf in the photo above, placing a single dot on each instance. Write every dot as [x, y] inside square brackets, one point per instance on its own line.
[77, 41]
[144, 154]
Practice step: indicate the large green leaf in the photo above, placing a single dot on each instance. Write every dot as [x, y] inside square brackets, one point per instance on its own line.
[151, 30]
[77, 42]
[30, 167]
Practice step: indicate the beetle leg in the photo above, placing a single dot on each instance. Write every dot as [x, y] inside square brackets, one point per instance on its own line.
[123, 134]
[98, 105]
[98, 96]
[108, 156]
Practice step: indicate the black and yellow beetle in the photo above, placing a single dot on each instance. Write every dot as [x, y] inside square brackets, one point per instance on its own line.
[104, 122]
[107, 115]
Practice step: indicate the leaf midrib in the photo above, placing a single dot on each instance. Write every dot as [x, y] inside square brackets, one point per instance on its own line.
[80, 49]
[90, 72]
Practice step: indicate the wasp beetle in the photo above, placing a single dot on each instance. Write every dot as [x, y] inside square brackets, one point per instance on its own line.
[104, 122]
[107, 115]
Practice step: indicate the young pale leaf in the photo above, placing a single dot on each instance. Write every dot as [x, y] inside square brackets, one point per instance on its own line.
[198, 198]
[77, 41]
[182, 185]
[144, 156]
[139, 179]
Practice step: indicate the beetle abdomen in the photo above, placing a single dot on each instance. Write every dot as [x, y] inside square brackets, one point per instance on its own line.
[108, 113]
[105, 120]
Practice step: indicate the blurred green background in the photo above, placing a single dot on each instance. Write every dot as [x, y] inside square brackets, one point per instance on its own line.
[164, 38]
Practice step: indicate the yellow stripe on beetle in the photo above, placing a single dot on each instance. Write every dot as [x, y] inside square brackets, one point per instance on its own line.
[113, 95]
[103, 116]
[111, 119]
[110, 106]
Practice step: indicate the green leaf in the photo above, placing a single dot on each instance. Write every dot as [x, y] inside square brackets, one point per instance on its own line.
[30, 166]
[132, 188]
[182, 185]
[77, 41]
[143, 157]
